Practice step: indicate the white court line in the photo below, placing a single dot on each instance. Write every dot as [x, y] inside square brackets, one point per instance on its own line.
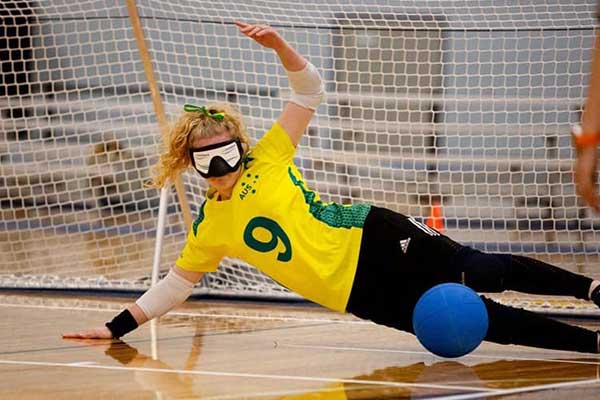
[83, 363]
[376, 350]
[196, 314]
[249, 375]
[504, 392]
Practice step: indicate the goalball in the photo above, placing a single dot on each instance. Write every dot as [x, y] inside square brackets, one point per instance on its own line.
[450, 320]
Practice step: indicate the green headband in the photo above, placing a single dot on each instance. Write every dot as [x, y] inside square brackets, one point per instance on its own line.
[217, 116]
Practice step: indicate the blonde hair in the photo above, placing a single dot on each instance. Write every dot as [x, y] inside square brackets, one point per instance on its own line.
[186, 129]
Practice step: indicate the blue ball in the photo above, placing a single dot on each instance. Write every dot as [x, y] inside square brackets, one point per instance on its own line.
[450, 320]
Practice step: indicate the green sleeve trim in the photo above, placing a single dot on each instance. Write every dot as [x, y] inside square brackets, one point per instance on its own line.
[199, 219]
[334, 215]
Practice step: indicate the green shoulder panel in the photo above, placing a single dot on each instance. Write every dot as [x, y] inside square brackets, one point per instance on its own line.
[334, 215]
[247, 160]
[199, 219]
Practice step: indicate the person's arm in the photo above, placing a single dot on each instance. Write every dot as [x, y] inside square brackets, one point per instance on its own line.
[304, 79]
[170, 292]
[587, 155]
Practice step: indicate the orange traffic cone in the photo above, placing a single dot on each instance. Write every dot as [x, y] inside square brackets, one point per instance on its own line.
[436, 220]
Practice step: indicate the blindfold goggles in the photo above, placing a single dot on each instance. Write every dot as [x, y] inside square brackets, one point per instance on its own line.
[217, 159]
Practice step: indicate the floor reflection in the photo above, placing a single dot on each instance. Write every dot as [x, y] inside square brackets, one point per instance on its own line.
[153, 374]
[412, 381]
[502, 374]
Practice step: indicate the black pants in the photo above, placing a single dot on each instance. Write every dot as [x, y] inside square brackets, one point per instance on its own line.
[401, 258]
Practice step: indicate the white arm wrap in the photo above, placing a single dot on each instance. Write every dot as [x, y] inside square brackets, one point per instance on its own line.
[168, 293]
[307, 87]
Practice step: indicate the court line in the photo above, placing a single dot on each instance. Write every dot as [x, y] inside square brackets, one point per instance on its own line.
[248, 375]
[196, 314]
[376, 350]
[504, 392]
[84, 363]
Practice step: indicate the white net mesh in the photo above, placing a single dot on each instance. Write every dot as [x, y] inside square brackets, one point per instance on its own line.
[466, 104]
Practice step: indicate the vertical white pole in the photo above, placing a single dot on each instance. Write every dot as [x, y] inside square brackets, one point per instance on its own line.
[154, 339]
[160, 232]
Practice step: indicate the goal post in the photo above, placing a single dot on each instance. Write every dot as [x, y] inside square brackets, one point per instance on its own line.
[430, 105]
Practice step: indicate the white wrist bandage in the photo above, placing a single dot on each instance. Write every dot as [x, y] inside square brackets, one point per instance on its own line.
[307, 87]
[168, 293]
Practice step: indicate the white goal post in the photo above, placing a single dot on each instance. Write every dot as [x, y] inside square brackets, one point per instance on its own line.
[463, 106]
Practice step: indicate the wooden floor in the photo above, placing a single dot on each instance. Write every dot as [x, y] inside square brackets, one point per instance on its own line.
[239, 350]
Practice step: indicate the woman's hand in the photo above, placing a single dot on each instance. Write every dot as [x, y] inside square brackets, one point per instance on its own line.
[264, 35]
[95, 333]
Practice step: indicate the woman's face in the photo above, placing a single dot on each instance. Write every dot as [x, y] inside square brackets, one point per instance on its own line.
[224, 183]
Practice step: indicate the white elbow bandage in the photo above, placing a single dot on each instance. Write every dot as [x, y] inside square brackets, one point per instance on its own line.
[168, 293]
[307, 87]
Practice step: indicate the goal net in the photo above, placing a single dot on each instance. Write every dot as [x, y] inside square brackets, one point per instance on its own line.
[459, 107]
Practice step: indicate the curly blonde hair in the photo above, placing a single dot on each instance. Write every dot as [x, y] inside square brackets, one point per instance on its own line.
[186, 129]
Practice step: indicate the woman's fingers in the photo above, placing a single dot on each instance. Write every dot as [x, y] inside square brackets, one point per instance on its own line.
[76, 335]
[99, 333]
[255, 30]
[264, 31]
[245, 28]
[263, 34]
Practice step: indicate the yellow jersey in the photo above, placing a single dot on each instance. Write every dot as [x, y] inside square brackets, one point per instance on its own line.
[275, 223]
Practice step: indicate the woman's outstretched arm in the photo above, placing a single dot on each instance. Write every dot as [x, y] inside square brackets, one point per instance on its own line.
[305, 81]
[170, 292]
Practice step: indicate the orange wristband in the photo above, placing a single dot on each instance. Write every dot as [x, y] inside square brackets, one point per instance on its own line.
[583, 140]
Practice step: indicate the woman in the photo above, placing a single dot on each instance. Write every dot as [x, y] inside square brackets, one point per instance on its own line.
[362, 259]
